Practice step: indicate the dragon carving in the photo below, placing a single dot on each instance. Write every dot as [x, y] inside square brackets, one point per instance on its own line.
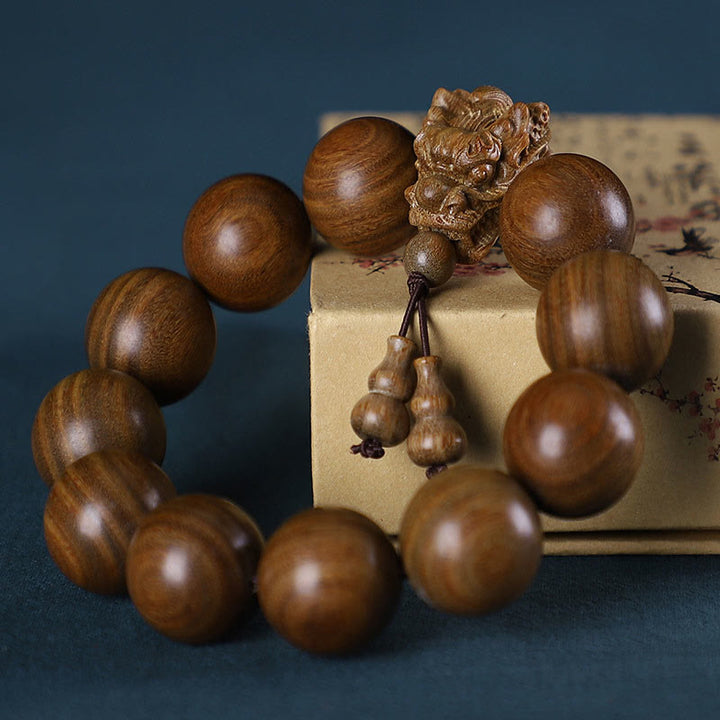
[470, 148]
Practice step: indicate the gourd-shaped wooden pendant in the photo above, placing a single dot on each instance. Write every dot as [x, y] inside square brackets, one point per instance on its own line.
[381, 417]
[436, 438]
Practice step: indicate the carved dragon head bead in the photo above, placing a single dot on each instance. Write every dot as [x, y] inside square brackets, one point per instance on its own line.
[470, 148]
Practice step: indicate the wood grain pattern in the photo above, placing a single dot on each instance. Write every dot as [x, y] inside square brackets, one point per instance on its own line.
[608, 312]
[247, 242]
[94, 410]
[382, 413]
[93, 510]
[190, 567]
[432, 255]
[156, 325]
[329, 580]
[470, 540]
[561, 206]
[354, 185]
[470, 148]
[574, 439]
[436, 438]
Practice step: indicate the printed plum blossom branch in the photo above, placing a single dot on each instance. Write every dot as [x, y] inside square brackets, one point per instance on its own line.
[705, 406]
[683, 287]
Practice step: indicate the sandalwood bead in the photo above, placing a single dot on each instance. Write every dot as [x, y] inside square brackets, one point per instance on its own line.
[94, 410]
[329, 580]
[574, 439]
[559, 207]
[190, 567]
[432, 255]
[354, 185]
[93, 510]
[471, 540]
[436, 437]
[381, 417]
[608, 312]
[382, 414]
[247, 242]
[156, 325]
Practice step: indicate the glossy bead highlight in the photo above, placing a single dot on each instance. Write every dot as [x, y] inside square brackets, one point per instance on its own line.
[155, 325]
[471, 540]
[190, 567]
[94, 509]
[574, 439]
[560, 207]
[329, 580]
[354, 185]
[247, 242]
[607, 312]
[94, 410]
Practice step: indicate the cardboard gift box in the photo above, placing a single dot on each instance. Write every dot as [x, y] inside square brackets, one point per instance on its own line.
[482, 324]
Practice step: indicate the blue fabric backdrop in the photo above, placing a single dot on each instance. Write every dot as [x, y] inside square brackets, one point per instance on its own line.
[113, 118]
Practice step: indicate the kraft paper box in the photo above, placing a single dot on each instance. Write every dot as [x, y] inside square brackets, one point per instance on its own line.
[483, 327]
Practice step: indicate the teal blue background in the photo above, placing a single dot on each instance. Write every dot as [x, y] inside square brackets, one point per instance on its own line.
[113, 118]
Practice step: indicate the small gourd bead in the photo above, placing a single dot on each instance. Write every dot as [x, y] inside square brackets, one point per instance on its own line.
[381, 417]
[432, 255]
[381, 413]
[395, 376]
[436, 438]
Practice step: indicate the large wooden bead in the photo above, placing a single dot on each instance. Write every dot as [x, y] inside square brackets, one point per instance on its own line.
[574, 439]
[329, 580]
[190, 567]
[436, 437]
[247, 242]
[432, 255]
[156, 325]
[608, 312]
[471, 540]
[559, 207]
[93, 510]
[94, 410]
[354, 185]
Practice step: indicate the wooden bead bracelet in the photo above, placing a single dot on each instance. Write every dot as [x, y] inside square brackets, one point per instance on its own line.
[329, 579]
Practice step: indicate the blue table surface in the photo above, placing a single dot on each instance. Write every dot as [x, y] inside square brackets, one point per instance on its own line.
[113, 118]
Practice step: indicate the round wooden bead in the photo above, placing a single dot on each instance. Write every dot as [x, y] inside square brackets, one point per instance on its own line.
[247, 242]
[329, 580]
[574, 439]
[190, 567]
[608, 312]
[432, 255]
[470, 540]
[93, 510]
[354, 185]
[94, 410]
[156, 325]
[559, 207]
